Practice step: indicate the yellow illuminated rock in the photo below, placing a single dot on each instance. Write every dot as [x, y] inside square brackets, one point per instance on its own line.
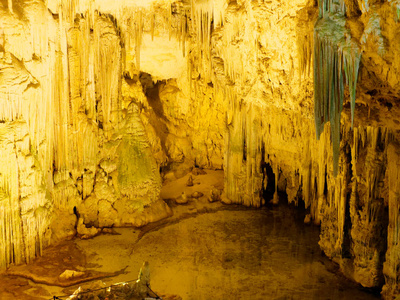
[102, 102]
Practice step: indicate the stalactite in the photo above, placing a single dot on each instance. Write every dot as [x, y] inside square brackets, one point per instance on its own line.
[71, 7]
[304, 40]
[184, 34]
[243, 152]
[10, 6]
[169, 20]
[190, 68]
[34, 226]
[305, 44]
[351, 64]
[138, 36]
[334, 54]
[396, 6]
[11, 241]
[19, 195]
[19, 177]
[88, 72]
[219, 9]
[107, 52]
[178, 30]
[51, 123]
[329, 91]
[247, 135]
[206, 15]
[331, 6]
[152, 24]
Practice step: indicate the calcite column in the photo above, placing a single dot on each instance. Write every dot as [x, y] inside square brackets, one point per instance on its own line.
[243, 177]
[392, 263]
[367, 204]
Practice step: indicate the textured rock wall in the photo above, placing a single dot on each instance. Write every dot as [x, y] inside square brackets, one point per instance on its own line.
[95, 99]
[104, 94]
[73, 146]
[390, 267]
[262, 57]
[270, 121]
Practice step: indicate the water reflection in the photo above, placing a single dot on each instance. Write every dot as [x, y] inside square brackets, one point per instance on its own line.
[243, 254]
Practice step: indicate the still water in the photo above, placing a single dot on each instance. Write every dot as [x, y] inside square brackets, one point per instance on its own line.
[243, 254]
[205, 251]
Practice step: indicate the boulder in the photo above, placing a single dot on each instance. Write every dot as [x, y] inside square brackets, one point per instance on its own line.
[70, 274]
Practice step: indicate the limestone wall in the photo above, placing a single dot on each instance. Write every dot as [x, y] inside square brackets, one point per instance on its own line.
[268, 56]
[98, 96]
[73, 145]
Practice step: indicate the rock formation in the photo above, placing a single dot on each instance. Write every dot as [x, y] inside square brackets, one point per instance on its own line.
[99, 99]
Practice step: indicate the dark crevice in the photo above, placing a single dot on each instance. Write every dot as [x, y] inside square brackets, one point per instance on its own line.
[326, 184]
[347, 240]
[268, 189]
[75, 210]
[301, 205]
[244, 149]
[152, 92]
[157, 117]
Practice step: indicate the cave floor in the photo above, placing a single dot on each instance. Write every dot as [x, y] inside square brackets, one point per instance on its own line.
[205, 251]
